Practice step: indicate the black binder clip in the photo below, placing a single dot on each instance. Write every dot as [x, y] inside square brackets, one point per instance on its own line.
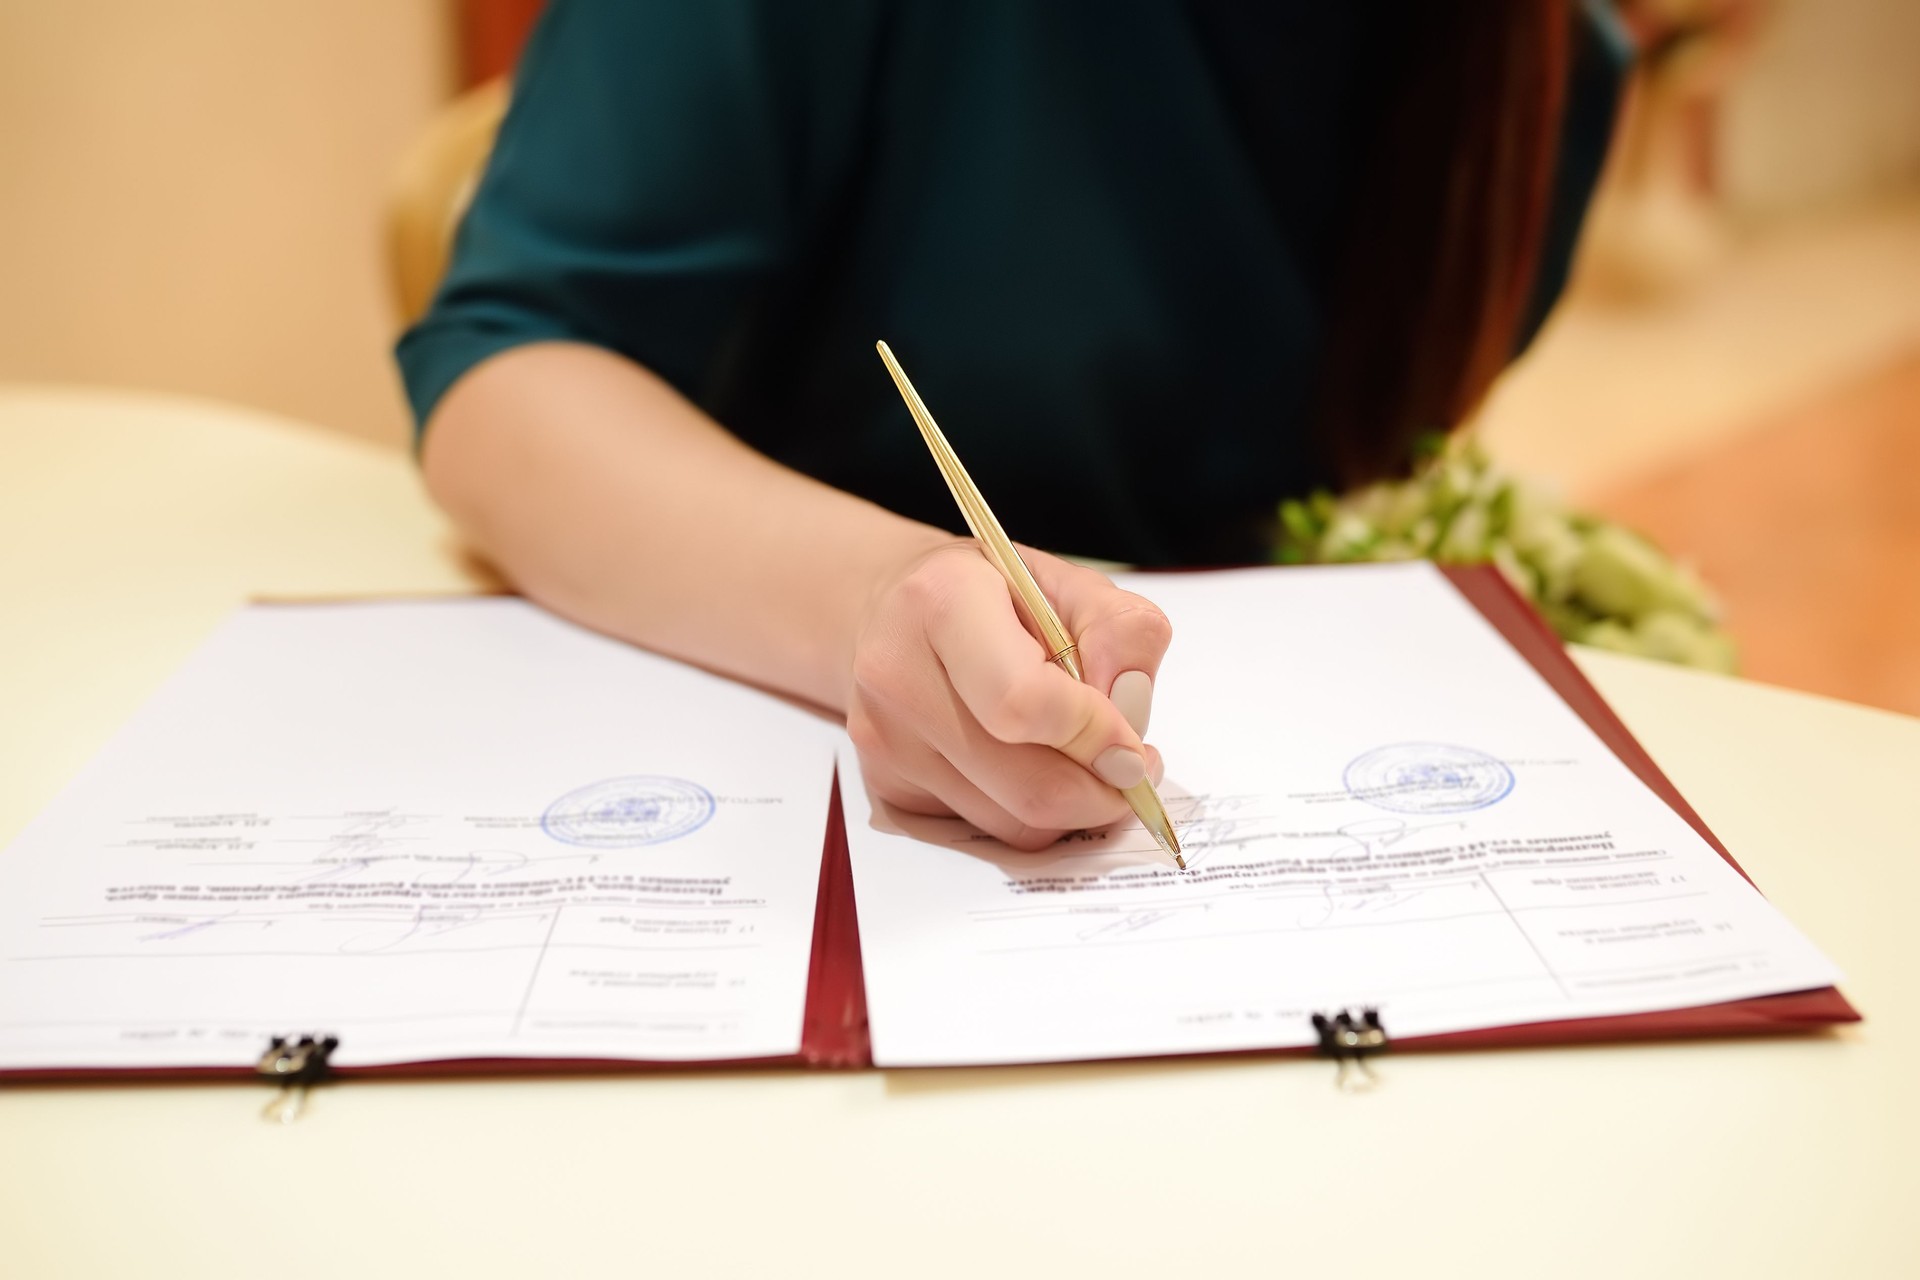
[296, 1066]
[1350, 1040]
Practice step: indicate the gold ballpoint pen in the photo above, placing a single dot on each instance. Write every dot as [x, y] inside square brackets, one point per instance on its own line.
[1062, 651]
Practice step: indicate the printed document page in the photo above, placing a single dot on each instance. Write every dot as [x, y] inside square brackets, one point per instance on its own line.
[1382, 805]
[435, 829]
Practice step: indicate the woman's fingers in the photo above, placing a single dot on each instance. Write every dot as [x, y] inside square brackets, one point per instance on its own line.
[1017, 793]
[1002, 677]
[1122, 636]
[970, 802]
[955, 708]
[911, 775]
[1039, 786]
[885, 780]
[1036, 786]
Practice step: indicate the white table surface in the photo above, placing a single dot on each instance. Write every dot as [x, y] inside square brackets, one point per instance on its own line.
[129, 524]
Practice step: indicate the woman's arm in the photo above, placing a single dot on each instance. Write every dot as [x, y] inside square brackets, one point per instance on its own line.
[605, 495]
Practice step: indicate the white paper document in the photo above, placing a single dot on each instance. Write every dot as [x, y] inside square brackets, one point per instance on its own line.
[1382, 805]
[459, 829]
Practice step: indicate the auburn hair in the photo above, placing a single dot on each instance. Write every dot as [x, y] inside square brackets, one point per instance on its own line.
[1446, 226]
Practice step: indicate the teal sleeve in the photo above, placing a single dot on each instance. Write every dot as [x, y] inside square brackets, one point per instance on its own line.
[661, 163]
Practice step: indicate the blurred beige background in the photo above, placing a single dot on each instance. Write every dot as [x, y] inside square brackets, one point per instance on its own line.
[191, 190]
[1800, 273]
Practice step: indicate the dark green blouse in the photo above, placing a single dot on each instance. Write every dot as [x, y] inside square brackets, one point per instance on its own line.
[1094, 233]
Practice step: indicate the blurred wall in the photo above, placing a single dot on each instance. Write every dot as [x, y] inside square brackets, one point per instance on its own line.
[191, 191]
[1827, 109]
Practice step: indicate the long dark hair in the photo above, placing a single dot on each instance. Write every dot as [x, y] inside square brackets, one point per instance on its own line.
[1446, 227]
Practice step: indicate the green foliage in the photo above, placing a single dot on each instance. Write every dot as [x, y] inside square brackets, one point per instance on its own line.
[1594, 582]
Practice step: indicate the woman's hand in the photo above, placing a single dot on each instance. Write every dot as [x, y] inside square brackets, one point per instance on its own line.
[955, 709]
[605, 495]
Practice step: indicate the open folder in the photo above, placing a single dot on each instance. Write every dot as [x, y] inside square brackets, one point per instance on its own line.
[466, 835]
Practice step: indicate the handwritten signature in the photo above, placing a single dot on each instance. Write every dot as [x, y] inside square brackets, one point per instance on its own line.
[1341, 904]
[366, 838]
[1135, 921]
[1372, 836]
[424, 923]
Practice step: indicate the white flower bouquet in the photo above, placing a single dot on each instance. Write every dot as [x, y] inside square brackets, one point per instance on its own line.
[1595, 582]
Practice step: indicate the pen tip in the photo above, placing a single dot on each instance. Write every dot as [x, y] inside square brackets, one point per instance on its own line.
[1180, 862]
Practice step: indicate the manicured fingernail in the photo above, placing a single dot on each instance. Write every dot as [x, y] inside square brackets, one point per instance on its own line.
[1120, 768]
[1133, 694]
[1158, 770]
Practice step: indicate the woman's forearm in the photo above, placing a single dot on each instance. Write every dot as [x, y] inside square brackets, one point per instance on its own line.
[605, 495]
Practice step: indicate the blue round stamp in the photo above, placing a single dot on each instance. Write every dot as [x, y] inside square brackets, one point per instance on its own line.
[624, 813]
[1428, 777]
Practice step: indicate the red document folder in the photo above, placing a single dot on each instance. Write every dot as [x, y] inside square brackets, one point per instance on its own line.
[835, 1032]
[836, 1025]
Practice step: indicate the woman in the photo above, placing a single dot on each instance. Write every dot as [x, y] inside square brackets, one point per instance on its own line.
[1154, 264]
